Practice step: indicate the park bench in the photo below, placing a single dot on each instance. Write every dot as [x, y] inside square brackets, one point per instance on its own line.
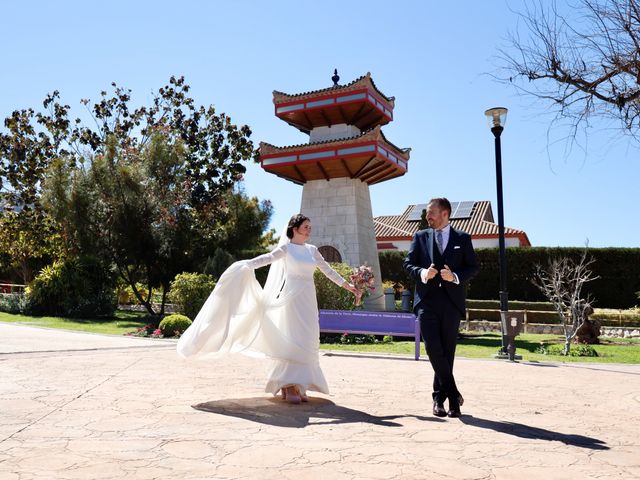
[398, 324]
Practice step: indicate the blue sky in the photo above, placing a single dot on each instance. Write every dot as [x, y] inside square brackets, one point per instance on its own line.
[433, 57]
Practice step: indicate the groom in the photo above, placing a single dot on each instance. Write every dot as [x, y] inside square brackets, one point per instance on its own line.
[441, 260]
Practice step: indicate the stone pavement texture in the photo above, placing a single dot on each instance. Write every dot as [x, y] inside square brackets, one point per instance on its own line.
[83, 406]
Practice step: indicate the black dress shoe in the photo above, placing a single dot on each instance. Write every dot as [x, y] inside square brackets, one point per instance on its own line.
[454, 413]
[438, 409]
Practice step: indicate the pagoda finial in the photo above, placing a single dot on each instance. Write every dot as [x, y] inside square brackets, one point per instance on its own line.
[336, 77]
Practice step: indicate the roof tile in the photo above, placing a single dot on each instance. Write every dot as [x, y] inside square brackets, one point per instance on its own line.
[479, 224]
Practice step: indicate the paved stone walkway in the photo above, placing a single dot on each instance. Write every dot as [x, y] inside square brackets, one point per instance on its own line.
[83, 406]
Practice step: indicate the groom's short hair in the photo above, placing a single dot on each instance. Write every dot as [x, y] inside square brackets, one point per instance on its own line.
[442, 203]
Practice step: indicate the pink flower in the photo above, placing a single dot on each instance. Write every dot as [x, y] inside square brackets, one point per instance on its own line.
[364, 280]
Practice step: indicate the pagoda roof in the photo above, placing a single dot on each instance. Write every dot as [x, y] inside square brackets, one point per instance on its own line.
[369, 157]
[363, 81]
[358, 103]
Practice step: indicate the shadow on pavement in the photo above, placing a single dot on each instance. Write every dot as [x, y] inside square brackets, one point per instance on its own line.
[318, 411]
[525, 431]
[535, 363]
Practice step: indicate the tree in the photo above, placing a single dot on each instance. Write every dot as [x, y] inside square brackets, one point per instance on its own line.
[29, 238]
[561, 282]
[31, 141]
[243, 221]
[134, 208]
[214, 147]
[156, 177]
[586, 66]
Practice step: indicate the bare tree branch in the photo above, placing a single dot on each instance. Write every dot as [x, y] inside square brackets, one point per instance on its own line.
[584, 66]
[562, 282]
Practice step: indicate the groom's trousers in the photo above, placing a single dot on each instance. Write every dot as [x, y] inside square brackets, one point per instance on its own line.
[439, 323]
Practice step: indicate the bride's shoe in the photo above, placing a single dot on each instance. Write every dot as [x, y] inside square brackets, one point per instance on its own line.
[292, 396]
[303, 397]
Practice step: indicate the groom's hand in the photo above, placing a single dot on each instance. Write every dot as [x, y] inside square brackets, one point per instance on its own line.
[428, 273]
[447, 274]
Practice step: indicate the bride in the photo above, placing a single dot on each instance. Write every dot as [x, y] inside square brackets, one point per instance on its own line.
[279, 322]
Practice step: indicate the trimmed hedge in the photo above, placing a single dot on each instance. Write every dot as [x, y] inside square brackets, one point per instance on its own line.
[618, 269]
[174, 325]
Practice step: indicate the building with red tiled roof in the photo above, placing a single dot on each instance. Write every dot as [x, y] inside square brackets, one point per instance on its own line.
[395, 232]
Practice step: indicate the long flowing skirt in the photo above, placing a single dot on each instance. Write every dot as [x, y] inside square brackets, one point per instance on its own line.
[238, 318]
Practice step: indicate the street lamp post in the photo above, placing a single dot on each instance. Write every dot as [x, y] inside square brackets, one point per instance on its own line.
[497, 118]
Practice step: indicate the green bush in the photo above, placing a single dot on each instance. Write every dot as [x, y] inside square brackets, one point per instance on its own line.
[174, 325]
[574, 351]
[357, 339]
[73, 287]
[331, 296]
[13, 302]
[189, 292]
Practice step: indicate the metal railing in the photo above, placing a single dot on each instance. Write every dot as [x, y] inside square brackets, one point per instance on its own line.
[11, 288]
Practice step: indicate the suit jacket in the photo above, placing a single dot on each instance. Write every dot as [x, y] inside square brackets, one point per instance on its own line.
[459, 256]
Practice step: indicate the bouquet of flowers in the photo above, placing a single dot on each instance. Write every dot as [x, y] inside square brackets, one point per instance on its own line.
[363, 279]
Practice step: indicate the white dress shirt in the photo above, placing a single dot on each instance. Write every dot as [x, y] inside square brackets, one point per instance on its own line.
[446, 231]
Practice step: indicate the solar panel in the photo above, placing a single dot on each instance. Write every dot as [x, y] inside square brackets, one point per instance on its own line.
[458, 210]
[462, 210]
[416, 213]
[454, 207]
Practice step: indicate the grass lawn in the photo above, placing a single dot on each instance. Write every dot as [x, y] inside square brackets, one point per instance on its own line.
[485, 345]
[122, 323]
[471, 345]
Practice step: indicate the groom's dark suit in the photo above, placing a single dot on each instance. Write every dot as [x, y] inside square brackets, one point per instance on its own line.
[440, 304]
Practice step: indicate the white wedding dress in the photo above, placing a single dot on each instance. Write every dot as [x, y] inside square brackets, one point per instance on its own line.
[279, 322]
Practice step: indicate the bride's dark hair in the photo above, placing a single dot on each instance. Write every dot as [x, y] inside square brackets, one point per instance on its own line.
[295, 222]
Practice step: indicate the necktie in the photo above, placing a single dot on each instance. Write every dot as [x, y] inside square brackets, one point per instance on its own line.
[439, 240]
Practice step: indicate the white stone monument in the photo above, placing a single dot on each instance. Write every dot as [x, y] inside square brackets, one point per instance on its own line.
[346, 153]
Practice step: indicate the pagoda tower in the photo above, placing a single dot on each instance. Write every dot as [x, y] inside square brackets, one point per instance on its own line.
[347, 152]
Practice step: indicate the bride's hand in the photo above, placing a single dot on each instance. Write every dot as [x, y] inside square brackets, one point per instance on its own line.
[350, 287]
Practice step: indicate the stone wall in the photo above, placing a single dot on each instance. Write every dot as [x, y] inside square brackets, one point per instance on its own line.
[620, 332]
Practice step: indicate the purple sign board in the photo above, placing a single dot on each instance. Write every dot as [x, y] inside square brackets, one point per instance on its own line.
[398, 324]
